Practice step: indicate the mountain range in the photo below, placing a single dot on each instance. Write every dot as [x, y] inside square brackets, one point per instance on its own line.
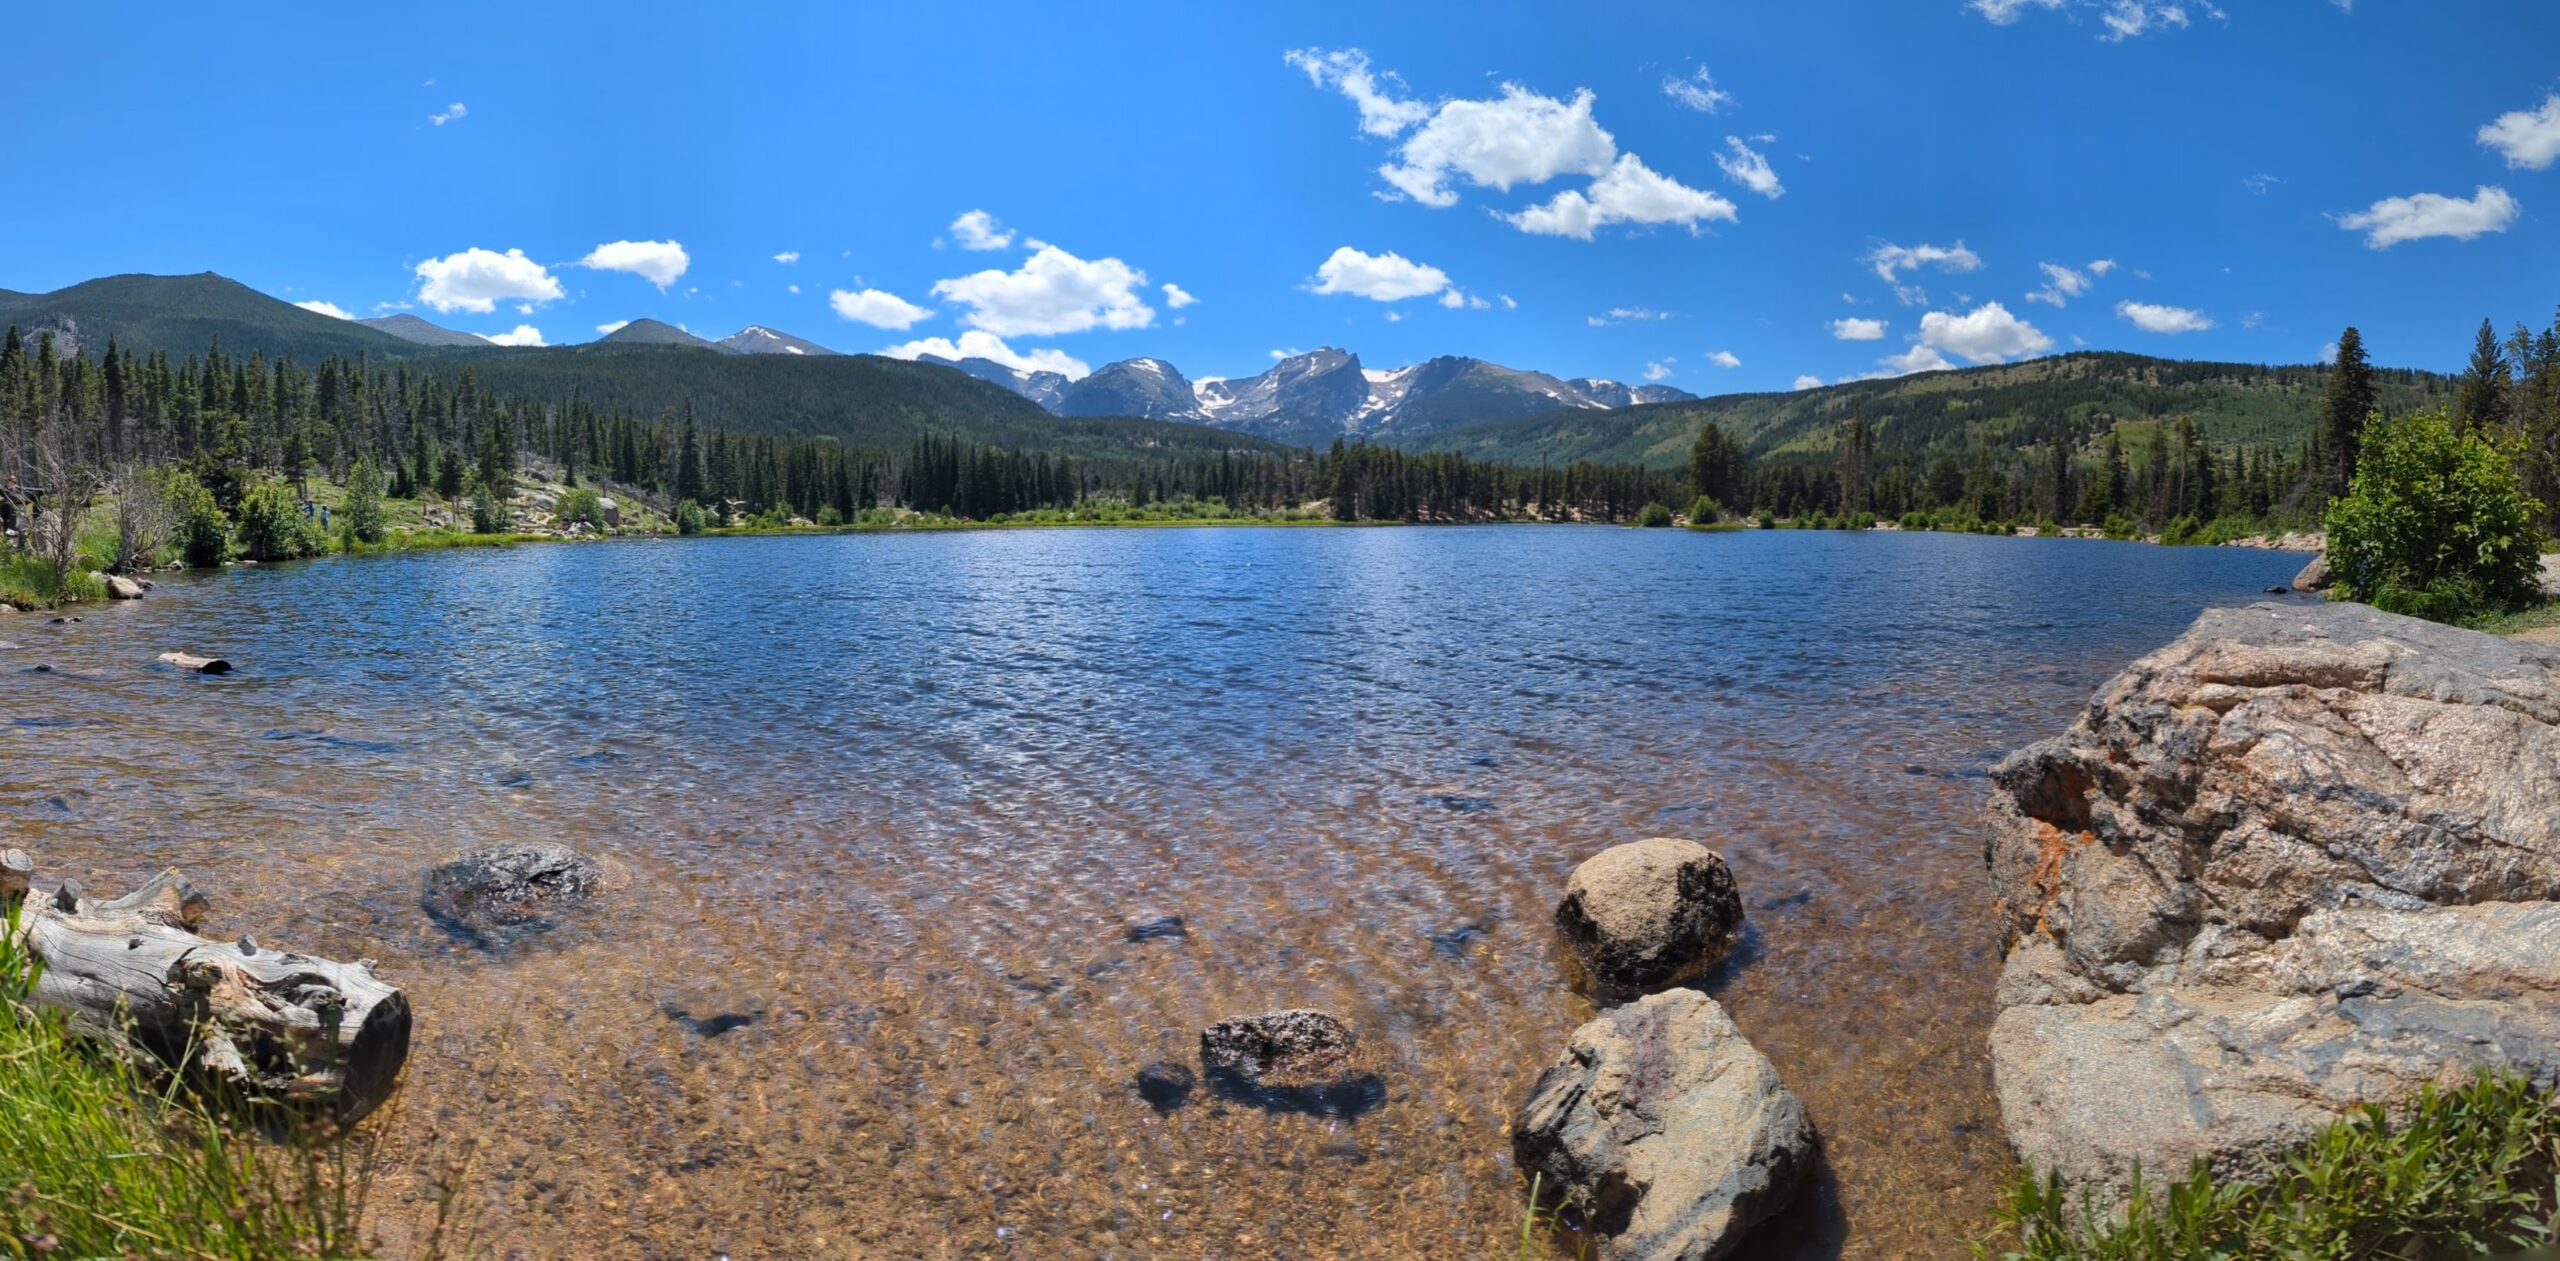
[1315, 397]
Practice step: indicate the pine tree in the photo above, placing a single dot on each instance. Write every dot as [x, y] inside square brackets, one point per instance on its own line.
[2344, 409]
[2481, 401]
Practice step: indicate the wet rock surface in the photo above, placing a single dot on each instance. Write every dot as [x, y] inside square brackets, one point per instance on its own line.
[499, 889]
[1290, 1061]
[1650, 914]
[1667, 1134]
[2301, 859]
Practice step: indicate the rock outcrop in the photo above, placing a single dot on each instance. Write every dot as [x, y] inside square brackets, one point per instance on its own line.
[1668, 1135]
[1650, 914]
[2303, 858]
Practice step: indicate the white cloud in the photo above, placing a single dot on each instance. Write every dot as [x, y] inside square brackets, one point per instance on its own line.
[2395, 219]
[877, 308]
[1625, 315]
[2126, 19]
[1176, 297]
[1916, 359]
[658, 262]
[1725, 359]
[1522, 138]
[2529, 139]
[1659, 369]
[1749, 169]
[2062, 284]
[1507, 303]
[1808, 383]
[1052, 292]
[1854, 330]
[477, 280]
[1278, 355]
[452, 113]
[1986, 334]
[1395, 317]
[524, 335]
[2163, 319]
[1698, 91]
[612, 327]
[1889, 259]
[329, 309]
[1347, 71]
[977, 230]
[2259, 184]
[1388, 277]
[2102, 267]
[2003, 12]
[792, 288]
[1630, 192]
[787, 257]
[2329, 353]
[978, 345]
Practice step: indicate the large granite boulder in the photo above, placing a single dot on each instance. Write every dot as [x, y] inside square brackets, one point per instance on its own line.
[1667, 1133]
[2315, 577]
[1649, 914]
[2301, 859]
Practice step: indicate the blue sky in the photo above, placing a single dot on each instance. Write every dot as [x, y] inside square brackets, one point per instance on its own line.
[1749, 195]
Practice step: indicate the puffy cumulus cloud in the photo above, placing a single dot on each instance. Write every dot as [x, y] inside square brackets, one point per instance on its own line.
[1508, 304]
[453, 113]
[2102, 267]
[1521, 138]
[2163, 319]
[1986, 334]
[1808, 383]
[1855, 330]
[978, 230]
[2003, 12]
[1388, 277]
[1725, 359]
[329, 309]
[2395, 219]
[877, 308]
[1176, 297]
[1052, 292]
[658, 262]
[1697, 91]
[2329, 353]
[1659, 369]
[1750, 169]
[477, 280]
[1891, 260]
[787, 257]
[1346, 70]
[2529, 139]
[1628, 192]
[2062, 284]
[522, 335]
[978, 345]
[1916, 359]
[610, 327]
[1458, 301]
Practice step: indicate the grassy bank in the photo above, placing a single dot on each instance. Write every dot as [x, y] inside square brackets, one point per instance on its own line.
[2463, 1173]
[97, 1162]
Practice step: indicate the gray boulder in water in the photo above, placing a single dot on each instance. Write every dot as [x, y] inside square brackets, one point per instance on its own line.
[2302, 859]
[1667, 1133]
[510, 886]
[2315, 577]
[1650, 914]
[1278, 1048]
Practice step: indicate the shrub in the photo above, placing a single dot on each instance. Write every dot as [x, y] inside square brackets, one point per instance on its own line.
[204, 533]
[1765, 519]
[142, 521]
[1653, 516]
[2436, 523]
[272, 526]
[829, 517]
[489, 514]
[2120, 526]
[690, 519]
[361, 518]
[1704, 510]
[580, 505]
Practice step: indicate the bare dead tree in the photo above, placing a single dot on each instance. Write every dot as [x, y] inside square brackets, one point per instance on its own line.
[142, 519]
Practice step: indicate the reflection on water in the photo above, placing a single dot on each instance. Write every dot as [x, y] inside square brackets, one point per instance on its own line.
[879, 816]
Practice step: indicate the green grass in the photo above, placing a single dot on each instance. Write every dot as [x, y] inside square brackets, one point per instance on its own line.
[97, 1161]
[27, 583]
[2509, 623]
[2469, 1172]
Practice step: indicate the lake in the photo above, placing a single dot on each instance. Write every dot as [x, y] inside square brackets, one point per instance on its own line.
[890, 801]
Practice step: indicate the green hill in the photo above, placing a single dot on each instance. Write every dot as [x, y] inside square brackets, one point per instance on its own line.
[181, 315]
[2075, 397]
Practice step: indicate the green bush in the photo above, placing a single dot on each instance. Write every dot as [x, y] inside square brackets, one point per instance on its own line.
[489, 514]
[2120, 526]
[1653, 516]
[1704, 510]
[580, 505]
[361, 519]
[2464, 1173]
[690, 518]
[272, 526]
[829, 517]
[2436, 523]
[1765, 519]
[204, 533]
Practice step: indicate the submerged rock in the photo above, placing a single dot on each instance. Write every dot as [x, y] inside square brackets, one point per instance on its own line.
[1650, 914]
[1149, 927]
[2302, 859]
[1668, 1134]
[511, 886]
[1290, 1061]
[1166, 1085]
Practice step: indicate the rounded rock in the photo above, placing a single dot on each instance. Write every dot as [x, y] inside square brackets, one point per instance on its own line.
[1650, 914]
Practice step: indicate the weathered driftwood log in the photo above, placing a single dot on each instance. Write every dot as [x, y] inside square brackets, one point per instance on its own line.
[201, 665]
[312, 1033]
